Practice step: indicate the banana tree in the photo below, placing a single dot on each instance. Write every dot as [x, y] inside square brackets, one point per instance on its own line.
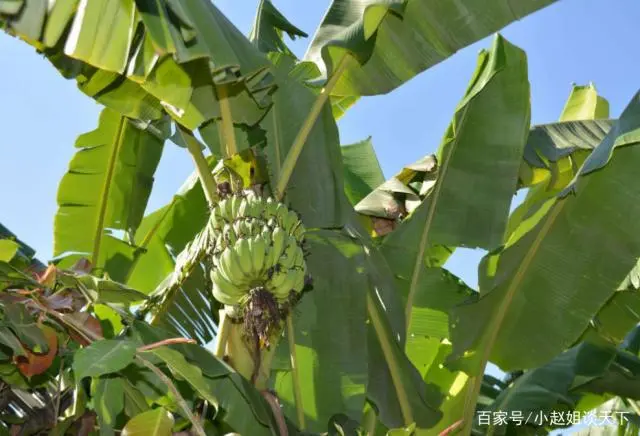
[287, 288]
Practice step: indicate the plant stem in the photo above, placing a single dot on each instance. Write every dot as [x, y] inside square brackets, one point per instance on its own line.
[202, 167]
[297, 391]
[197, 427]
[273, 403]
[169, 341]
[224, 325]
[394, 370]
[298, 143]
[228, 134]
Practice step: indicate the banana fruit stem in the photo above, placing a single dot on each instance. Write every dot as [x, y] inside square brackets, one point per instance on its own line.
[228, 134]
[294, 372]
[202, 167]
[224, 326]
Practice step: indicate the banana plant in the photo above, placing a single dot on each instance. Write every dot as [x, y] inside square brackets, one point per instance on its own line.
[287, 287]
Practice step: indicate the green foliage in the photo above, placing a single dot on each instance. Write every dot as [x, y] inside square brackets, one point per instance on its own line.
[385, 340]
[103, 357]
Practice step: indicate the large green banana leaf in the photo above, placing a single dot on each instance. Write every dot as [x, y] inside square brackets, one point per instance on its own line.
[625, 422]
[396, 387]
[362, 171]
[566, 260]
[106, 189]
[618, 315]
[330, 319]
[571, 380]
[143, 57]
[315, 189]
[20, 250]
[393, 40]
[268, 27]
[476, 173]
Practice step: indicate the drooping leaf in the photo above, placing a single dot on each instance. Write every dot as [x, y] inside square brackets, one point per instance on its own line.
[155, 422]
[101, 290]
[564, 276]
[330, 333]
[555, 152]
[453, 213]
[162, 235]
[140, 57]
[395, 385]
[239, 404]
[8, 249]
[106, 187]
[102, 357]
[268, 27]
[9, 340]
[561, 384]
[25, 252]
[362, 172]
[394, 40]
[20, 321]
[32, 364]
[108, 401]
[178, 365]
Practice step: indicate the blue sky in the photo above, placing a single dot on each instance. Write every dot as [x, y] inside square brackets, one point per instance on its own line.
[572, 41]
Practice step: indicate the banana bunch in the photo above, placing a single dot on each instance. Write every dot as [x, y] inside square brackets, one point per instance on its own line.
[258, 245]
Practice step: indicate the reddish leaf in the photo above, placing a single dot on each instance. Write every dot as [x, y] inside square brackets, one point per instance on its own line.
[48, 277]
[33, 364]
[89, 322]
[87, 424]
[82, 266]
[66, 300]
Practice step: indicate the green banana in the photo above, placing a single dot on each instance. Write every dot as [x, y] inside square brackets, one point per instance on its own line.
[223, 290]
[258, 250]
[276, 282]
[256, 243]
[279, 240]
[299, 283]
[290, 221]
[281, 215]
[230, 268]
[287, 286]
[243, 251]
[289, 256]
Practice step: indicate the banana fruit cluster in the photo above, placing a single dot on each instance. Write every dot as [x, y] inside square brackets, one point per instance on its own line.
[258, 244]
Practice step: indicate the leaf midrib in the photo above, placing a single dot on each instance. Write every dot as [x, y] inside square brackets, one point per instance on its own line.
[424, 238]
[494, 326]
[106, 188]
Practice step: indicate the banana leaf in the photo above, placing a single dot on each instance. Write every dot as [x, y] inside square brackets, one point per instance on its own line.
[268, 28]
[362, 172]
[565, 275]
[146, 56]
[161, 237]
[393, 40]
[106, 190]
[586, 370]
